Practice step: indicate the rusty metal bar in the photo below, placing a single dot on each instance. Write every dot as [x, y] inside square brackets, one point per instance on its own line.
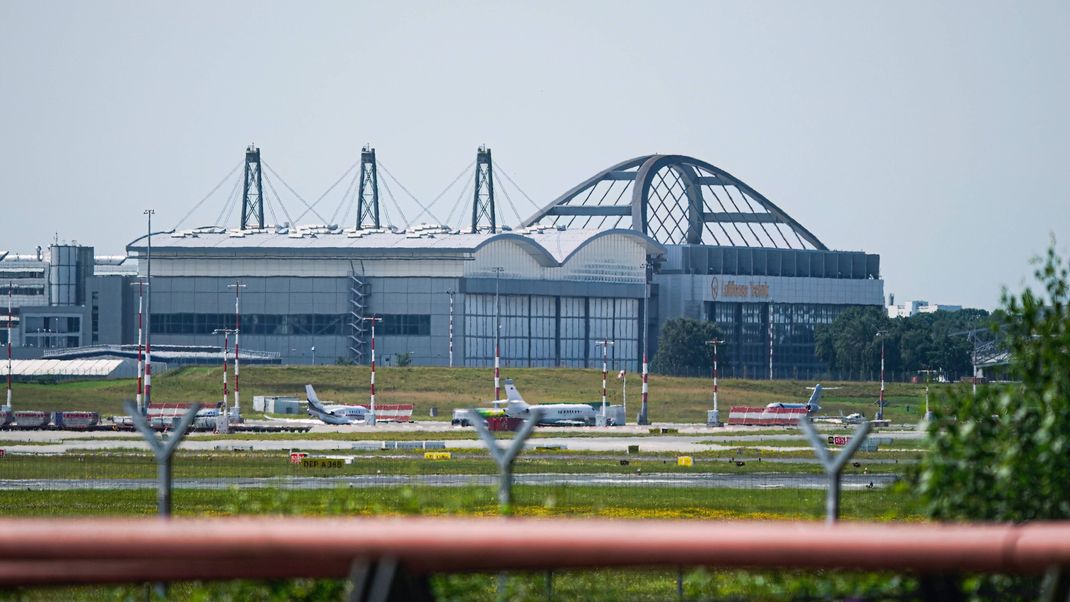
[128, 550]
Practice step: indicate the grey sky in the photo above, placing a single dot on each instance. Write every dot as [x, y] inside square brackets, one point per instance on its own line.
[934, 134]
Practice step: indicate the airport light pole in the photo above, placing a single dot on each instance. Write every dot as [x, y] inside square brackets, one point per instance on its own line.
[715, 418]
[10, 319]
[237, 286]
[770, 341]
[605, 345]
[148, 313]
[451, 293]
[373, 320]
[223, 421]
[880, 401]
[644, 417]
[497, 337]
[313, 350]
[623, 377]
[140, 342]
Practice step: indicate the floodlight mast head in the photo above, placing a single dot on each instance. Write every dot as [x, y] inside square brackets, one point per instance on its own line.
[252, 204]
[483, 209]
[368, 194]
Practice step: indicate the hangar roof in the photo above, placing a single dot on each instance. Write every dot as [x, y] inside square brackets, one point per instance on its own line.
[549, 245]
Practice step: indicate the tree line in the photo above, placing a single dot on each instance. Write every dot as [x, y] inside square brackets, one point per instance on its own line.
[936, 341]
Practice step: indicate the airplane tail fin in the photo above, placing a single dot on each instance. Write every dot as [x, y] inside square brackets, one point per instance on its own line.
[814, 403]
[313, 400]
[511, 392]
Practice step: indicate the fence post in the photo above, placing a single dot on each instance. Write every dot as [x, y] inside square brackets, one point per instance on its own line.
[164, 451]
[833, 465]
[505, 457]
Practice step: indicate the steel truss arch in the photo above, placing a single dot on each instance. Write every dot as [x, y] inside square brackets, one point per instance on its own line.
[676, 199]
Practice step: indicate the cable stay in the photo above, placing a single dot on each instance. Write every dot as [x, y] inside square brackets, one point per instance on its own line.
[294, 192]
[501, 168]
[207, 196]
[278, 199]
[425, 209]
[346, 196]
[397, 205]
[232, 200]
[325, 192]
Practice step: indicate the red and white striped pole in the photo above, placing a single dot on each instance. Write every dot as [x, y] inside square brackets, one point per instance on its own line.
[237, 334]
[140, 345]
[770, 345]
[10, 319]
[646, 385]
[226, 346]
[880, 407]
[715, 419]
[605, 369]
[498, 373]
[450, 293]
[148, 311]
[373, 366]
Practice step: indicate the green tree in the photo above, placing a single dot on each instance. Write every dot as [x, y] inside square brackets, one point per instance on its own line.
[1002, 454]
[682, 347]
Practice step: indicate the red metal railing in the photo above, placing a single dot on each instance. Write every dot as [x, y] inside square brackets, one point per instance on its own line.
[127, 550]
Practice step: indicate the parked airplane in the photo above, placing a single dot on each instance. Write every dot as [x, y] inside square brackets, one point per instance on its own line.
[552, 414]
[334, 413]
[812, 405]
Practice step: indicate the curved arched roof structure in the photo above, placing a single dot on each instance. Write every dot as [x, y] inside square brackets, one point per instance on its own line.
[676, 199]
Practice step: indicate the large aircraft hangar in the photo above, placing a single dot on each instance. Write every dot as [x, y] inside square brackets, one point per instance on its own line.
[612, 259]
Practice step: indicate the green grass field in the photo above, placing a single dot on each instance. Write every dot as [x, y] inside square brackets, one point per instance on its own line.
[672, 399]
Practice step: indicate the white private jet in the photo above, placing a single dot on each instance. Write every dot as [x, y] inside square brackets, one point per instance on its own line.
[334, 413]
[552, 414]
[812, 405]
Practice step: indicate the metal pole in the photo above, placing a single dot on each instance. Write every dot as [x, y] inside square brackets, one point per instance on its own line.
[373, 320]
[605, 343]
[770, 342]
[163, 451]
[880, 403]
[833, 465]
[973, 362]
[644, 417]
[226, 347]
[237, 333]
[715, 419]
[148, 317]
[373, 369]
[140, 343]
[497, 336]
[10, 319]
[450, 293]
[505, 457]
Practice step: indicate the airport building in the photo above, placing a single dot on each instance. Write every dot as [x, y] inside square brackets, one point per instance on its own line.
[612, 259]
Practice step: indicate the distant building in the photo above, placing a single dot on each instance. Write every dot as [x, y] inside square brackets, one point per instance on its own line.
[645, 241]
[65, 298]
[912, 308]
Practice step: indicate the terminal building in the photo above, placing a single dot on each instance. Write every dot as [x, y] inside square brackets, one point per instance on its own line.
[611, 260]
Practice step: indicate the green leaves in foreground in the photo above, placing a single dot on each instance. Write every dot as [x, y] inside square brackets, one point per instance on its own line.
[1004, 454]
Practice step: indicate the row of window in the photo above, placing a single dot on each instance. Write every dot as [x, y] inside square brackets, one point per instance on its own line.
[256, 324]
[418, 325]
[29, 291]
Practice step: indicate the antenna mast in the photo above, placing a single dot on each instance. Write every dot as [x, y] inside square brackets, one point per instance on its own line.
[483, 211]
[252, 202]
[368, 196]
